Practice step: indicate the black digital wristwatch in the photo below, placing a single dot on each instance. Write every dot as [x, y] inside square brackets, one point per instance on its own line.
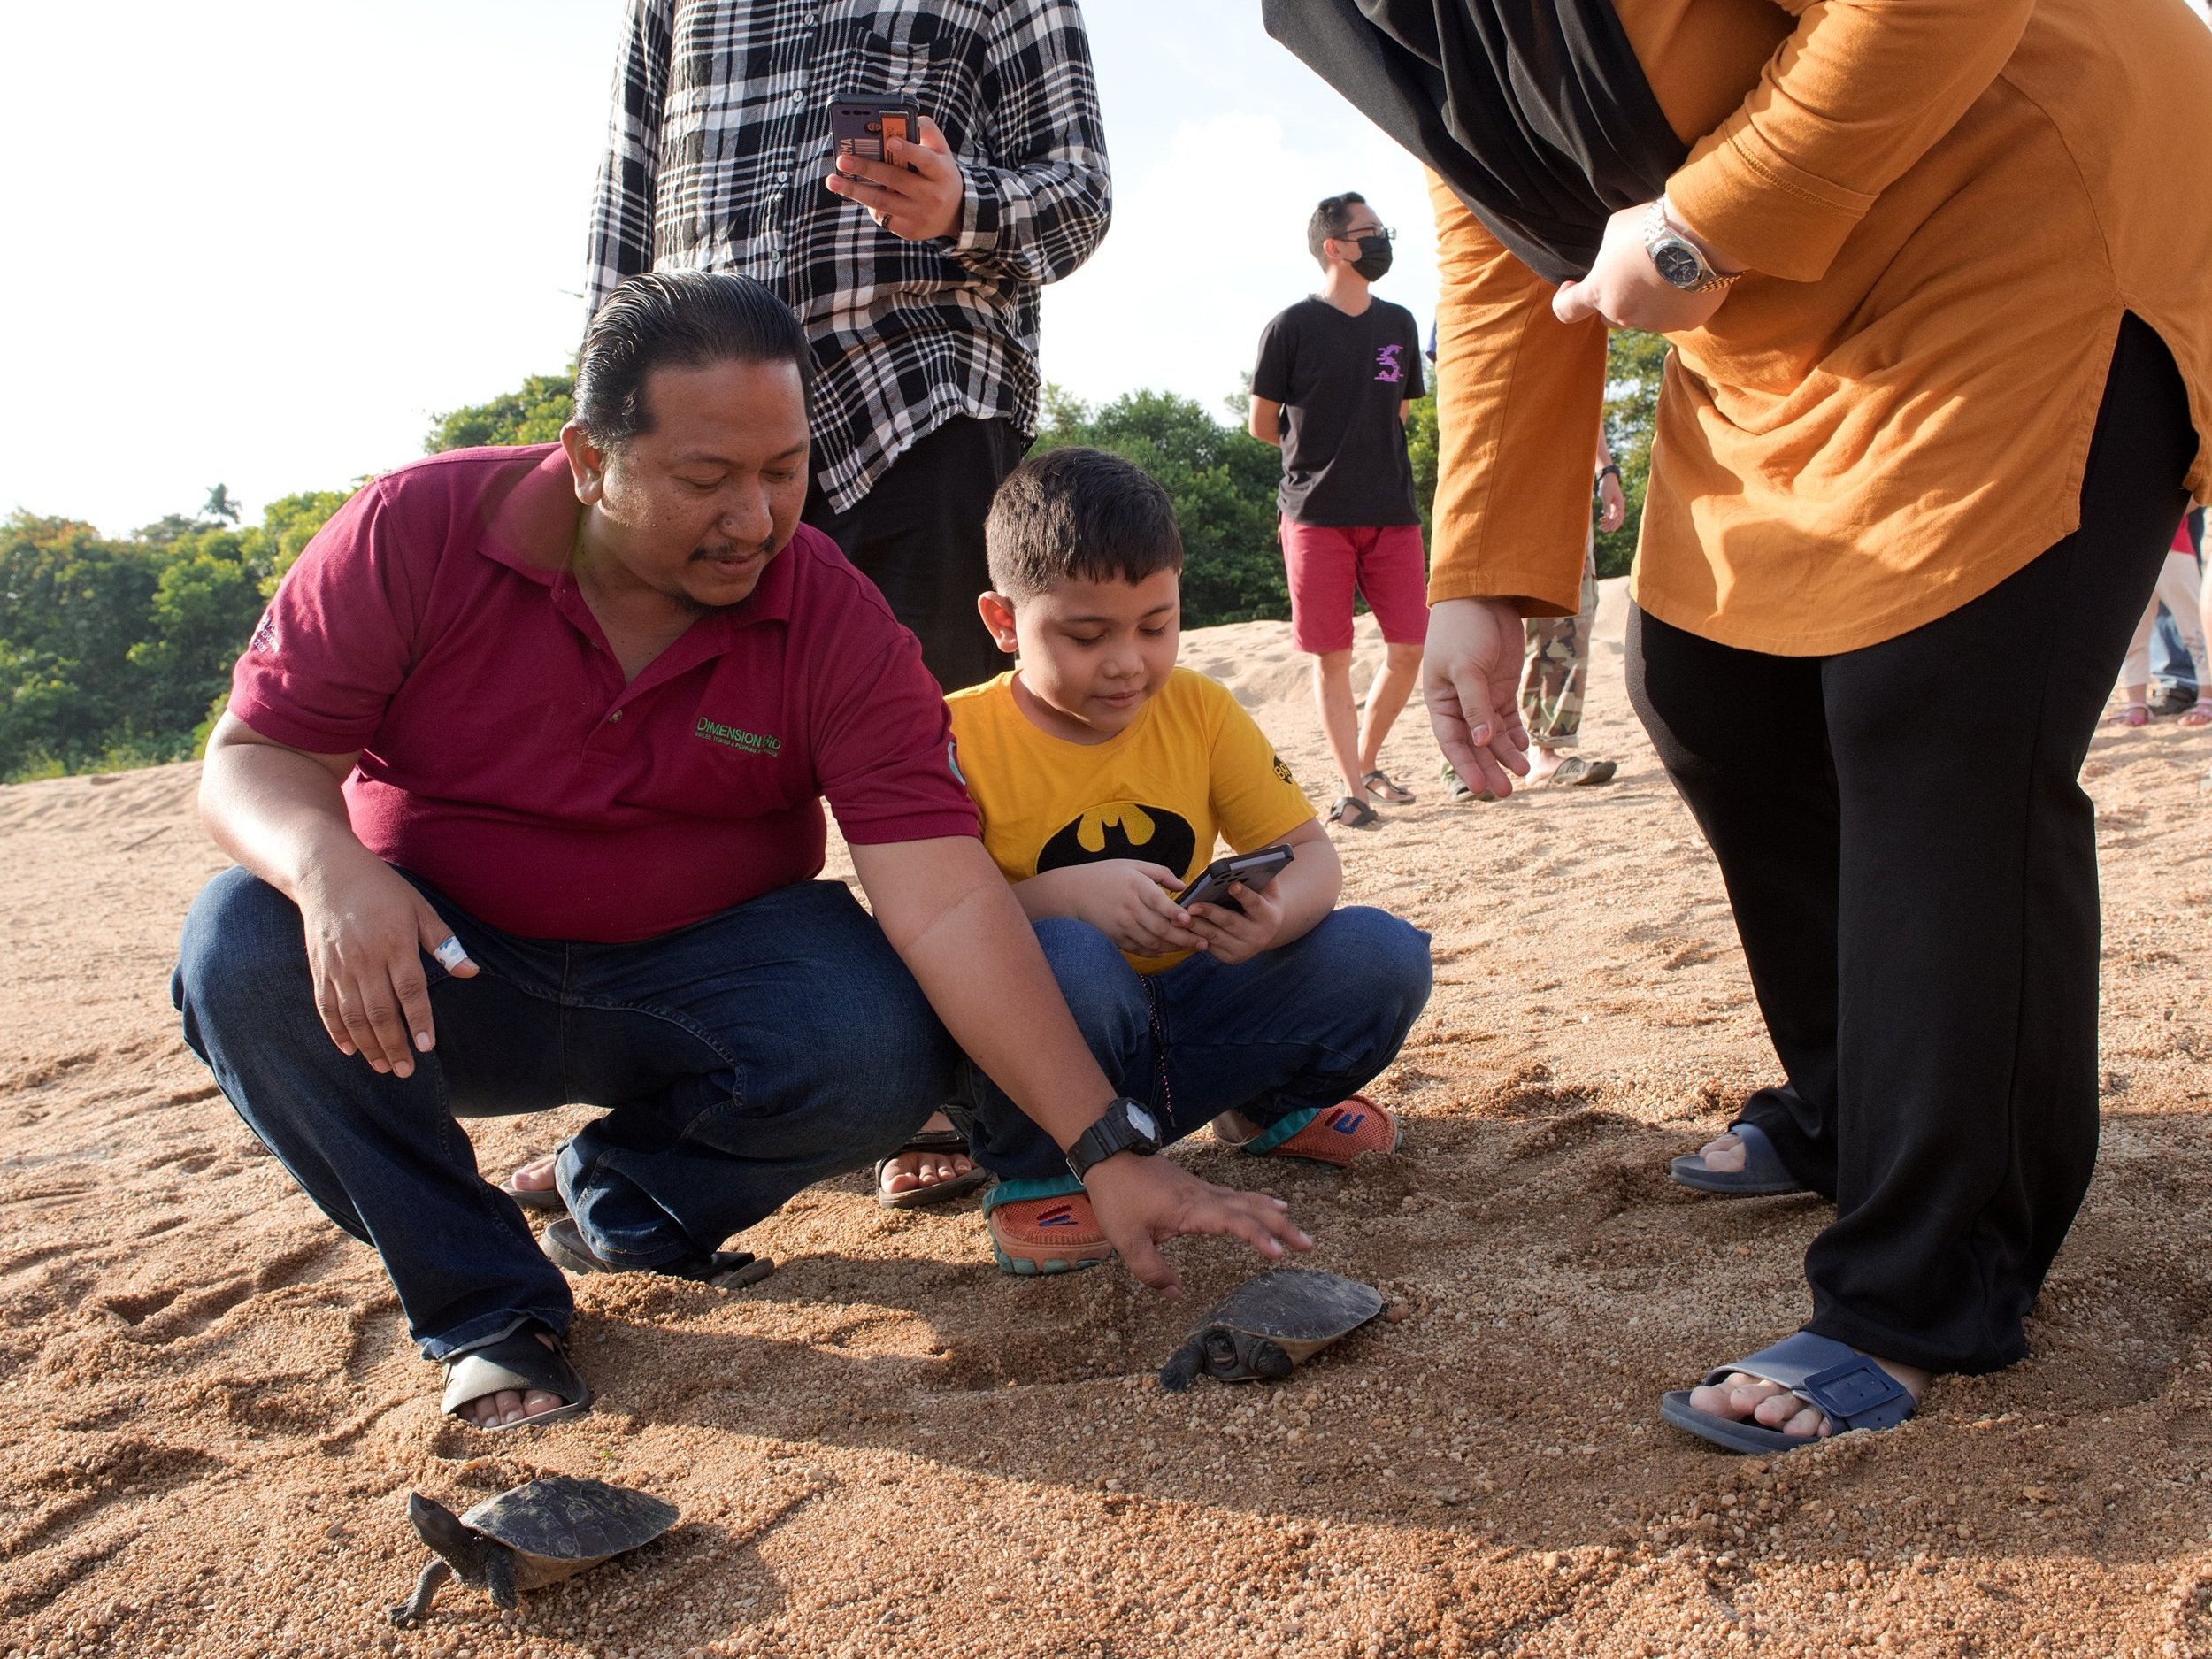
[1124, 1126]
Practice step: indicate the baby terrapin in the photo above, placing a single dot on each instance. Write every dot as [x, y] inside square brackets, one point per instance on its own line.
[534, 1534]
[1268, 1323]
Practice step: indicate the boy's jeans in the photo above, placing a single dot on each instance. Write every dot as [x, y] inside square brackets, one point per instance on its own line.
[1279, 1038]
[743, 1058]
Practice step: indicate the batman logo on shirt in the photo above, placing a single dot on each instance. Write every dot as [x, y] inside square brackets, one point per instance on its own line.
[1122, 829]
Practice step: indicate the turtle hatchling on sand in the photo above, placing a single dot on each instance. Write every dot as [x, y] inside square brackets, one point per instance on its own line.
[1268, 1323]
[531, 1535]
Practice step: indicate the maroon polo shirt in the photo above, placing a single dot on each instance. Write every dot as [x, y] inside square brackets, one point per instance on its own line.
[434, 626]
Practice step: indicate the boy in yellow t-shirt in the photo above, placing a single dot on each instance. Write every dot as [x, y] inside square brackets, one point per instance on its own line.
[1104, 773]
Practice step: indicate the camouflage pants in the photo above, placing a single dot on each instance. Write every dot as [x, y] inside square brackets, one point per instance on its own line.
[1554, 666]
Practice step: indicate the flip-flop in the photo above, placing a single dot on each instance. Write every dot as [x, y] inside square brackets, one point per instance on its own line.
[1353, 813]
[1836, 1380]
[725, 1269]
[2135, 716]
[1380, 783]
[518, 1361]
[1458, 790]
[1333, 1135]
[938, 1192]
[1576, 772]
[1764, 1174]
[536, 1197]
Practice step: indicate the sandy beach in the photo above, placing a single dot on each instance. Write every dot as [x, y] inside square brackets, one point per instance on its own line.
[214, 1415]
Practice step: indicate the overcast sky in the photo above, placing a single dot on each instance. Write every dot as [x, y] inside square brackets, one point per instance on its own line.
[264, 244]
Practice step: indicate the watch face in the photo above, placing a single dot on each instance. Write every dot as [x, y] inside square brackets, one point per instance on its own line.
[1141, 1120]
[1677, 262]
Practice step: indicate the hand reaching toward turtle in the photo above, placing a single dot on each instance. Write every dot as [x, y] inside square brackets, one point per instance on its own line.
[1142, 1203]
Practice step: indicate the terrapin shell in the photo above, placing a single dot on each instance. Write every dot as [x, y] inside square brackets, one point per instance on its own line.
[1292, 1312]
[563, 1518]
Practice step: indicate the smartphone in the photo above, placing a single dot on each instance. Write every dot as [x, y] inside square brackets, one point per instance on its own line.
[1255, 870]
[859, 128]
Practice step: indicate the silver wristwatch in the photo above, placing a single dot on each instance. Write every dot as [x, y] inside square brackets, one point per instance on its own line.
[1676, 257]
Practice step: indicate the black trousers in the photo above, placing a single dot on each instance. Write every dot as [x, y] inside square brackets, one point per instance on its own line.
[1913, 867]
[919, 536]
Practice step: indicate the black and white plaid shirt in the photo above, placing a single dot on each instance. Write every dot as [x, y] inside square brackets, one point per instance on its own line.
[718, 148]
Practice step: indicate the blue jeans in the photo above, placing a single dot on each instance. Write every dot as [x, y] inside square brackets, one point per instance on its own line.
[1279, 1038]
[741, 1059]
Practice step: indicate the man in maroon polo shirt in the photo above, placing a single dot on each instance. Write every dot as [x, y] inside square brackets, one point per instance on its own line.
[523, 770]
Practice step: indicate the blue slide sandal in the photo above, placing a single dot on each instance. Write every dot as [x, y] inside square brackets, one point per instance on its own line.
[1762, 1175]
[1834, 1377]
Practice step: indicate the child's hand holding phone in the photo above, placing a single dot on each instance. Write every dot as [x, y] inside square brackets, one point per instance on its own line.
[1129, 900]
[1234, 936]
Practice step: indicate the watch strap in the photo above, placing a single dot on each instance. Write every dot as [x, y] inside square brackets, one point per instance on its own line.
[1659, 226]
[1112, 1133]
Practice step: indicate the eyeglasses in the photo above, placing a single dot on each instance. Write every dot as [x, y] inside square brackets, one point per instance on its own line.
[1352, 234]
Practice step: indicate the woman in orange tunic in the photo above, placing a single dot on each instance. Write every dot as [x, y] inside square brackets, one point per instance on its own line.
[1937, 277]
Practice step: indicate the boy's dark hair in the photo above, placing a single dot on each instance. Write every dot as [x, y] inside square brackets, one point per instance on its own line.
[674, 319]
[1081, 515]
[1329, 223]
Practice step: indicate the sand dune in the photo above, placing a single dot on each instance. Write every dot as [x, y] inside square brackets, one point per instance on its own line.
[888, 1448]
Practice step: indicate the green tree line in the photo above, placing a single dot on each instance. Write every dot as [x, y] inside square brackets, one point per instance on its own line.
[117, 652]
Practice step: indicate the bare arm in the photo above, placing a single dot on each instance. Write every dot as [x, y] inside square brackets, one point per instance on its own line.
[1265, 421]
[1612, 499]
[956, 924]
[280, 812]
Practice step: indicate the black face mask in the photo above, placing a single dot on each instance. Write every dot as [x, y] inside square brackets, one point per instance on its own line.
[1374, 257]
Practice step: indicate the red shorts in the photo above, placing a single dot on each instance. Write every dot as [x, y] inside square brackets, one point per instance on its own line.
[1326, 563]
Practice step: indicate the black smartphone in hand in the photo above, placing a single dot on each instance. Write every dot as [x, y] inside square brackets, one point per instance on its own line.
[1255, 870]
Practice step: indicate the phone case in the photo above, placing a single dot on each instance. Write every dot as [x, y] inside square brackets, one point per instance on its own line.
[859, 128]
[1213, 885]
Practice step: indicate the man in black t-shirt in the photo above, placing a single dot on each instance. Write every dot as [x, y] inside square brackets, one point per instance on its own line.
[1335, 373]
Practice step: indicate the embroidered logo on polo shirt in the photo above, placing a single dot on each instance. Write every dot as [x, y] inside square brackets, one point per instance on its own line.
[737, 738]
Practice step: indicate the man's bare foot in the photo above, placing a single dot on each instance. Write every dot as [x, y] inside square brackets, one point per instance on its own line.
[911, 1172]
[1235, 1128]
[1542, 762]
[536, 1176]
[1723, 1154]
[1741, 1398]
[492, 1411]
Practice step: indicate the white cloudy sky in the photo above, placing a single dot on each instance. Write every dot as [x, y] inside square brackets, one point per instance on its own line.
[264, 243]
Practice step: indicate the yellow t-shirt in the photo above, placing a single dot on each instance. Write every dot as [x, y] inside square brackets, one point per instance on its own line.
[1191, 766]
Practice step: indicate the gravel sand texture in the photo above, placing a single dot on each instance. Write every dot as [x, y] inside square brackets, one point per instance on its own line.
[888, 1448]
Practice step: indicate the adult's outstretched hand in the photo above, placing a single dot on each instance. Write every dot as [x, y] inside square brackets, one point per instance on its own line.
[1142, 1203]
[1470, 676]
[366, 929]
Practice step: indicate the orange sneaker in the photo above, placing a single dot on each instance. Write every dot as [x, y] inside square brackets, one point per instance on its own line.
[1047, 1235]
[1334, 1135]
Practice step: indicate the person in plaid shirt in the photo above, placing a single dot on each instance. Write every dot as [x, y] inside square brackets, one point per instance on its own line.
[916, 281]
